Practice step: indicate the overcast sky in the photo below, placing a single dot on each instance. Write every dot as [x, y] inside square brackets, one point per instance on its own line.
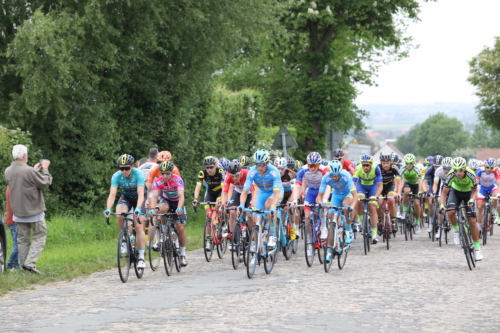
[450, 34]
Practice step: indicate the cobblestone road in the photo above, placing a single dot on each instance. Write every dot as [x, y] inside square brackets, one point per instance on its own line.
[415, 286]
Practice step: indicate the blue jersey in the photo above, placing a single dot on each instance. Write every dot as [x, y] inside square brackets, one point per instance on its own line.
[129, 185]
[343, 186]
[268, 182]
[429, 175]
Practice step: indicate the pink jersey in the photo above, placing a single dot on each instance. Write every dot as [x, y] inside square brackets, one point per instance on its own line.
[170, 188]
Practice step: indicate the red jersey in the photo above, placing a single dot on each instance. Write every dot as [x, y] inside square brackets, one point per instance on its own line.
[347, 165]
[238, 187]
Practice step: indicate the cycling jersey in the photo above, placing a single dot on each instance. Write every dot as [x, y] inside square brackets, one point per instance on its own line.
[423, 171]
[313, 179]
[411, 176]
[349, 166]
[268, 182]
[429, 177]
[483, 179]
[238, 186]
[215, 182]
[344, 186]
[129, 185]
[367, 179]
[389, 175]
[169, 189]
[286, 179]
[465, 184]
[155, 173]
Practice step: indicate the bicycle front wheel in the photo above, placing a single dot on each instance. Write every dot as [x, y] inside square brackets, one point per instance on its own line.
[464, 241]
[252, 251]
[484, 227]
[270, 259]
[308, 244]
[208, 246]
[329, 240]
[155, 247]
[288, 248]
[168, 252]
[342, 256]
[124, 255]
[236, 246]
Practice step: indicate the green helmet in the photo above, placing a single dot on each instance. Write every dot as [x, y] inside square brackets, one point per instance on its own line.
[409, 158]
[459, 163]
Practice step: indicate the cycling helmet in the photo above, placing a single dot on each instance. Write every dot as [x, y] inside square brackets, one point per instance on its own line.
[366, 158]
[480, 163]
[438, 159]
[335, 168]
[490, 162]
[166, 166]
[290, 162]
[337, 153]
[125, 159]
[223, 162]
[459, 163]
[447, 162]
[280, 162]
[394, 158]
[385, 157]
[421, 166]
[244, 161]
[324, 161]
[298, 164]
[472, 163]
[164, 156]
[210, 160]
[261, 156]
[409, 158]
[429, 160]
[313, 158]
[234, 167]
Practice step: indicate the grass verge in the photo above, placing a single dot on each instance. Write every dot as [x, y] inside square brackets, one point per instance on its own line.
[79, 246]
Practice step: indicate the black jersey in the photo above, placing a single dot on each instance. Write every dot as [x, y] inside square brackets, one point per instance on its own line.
[214, 182]
[389, 175]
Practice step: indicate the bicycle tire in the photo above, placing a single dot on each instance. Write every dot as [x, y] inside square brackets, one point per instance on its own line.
[168, 249]
[366, 233]
[308, 242]
[139, 272]
[3, 252]
[155, 255]
[124, 258]
[177, 251]
[295, 242]
[405, 225]
[251, 268]
[441, 229]
[236, 246]
[329, 239]
[471, 247]
[208, 239]
[388, 230]
[321, 244]
[245, 243]
[287, 249]
[342, 256]
[269, 259]
[410, 227]
[465, 245]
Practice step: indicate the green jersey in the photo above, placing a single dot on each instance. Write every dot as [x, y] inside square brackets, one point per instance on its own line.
[411, 176]
[466, 184]
[367, 178]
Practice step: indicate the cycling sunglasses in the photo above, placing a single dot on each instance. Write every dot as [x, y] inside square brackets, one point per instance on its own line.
[410, 163]
[167, 173]
[260, 165]
[366, 165]
[447, 169]
[313, 165]
[124, 168]
[209, 167]
[236, 175]
[458, 170]
[281, 168]
[490, 167]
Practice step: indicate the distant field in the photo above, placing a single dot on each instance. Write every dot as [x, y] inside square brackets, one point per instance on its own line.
[390, 125]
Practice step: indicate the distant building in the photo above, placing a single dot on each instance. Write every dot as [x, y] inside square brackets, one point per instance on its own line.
[388, 148]
[484, 153]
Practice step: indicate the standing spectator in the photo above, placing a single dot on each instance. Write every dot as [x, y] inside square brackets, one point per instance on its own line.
[26, 198]
[14, 255]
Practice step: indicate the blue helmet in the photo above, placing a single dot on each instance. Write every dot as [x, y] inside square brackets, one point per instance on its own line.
[335, 168]
[324, 161]
[429, 159]
[366, 158]
[314, 158]
[490, 162]
[224, 162]
[261, 156]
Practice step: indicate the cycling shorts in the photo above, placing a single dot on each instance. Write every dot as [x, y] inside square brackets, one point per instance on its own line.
[236, 199]
[212, 196]
[131, 203]
[311, 195]
[338, 199]
[286, 196]
[366, 190]
[483, 190]
[172, 207]
[262, 197]
[388, 189]
[456, 197]
[413, 187]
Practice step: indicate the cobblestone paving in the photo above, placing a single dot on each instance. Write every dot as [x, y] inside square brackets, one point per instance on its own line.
[414, 286]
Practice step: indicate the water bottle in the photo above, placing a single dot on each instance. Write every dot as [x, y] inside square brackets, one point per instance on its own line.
[176, 240]
[132, 240]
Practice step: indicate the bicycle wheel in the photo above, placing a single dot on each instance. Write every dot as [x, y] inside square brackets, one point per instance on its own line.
[252, 252]
[471, 246]
[155, 247]
[236, 246]
[411, 230]
[441, 228]
[342, 256]
[245, 243]
[139, 272]
[388, 230]
[465, 245]
[269, 259]
[222, 247]
[177, 250]
[288, 248]
[308, 244]
[329, 240]
[295, 242]
[366, 234]
[168, 252]
[3, 252]
[485, 225]
[208, 240]
[124, 256]
[405, 225]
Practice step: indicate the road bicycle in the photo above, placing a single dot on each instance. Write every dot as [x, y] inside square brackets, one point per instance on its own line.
[239, 237]
[164, 243]
[444, 229]
[409, 216]
[312, 235]
[435, 218]
[488, 218]
[285, 225]
[366, 225]
[336, 240]
[387, 230]
[215, 236]
[464, 233]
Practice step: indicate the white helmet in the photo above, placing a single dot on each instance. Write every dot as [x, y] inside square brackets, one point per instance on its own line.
[280, 162]
[420, 165]
[480, 163]
[473, 164]
[447, 161]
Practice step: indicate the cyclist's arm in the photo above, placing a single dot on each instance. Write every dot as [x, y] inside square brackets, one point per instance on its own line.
[380, 187]
[244, 195]
[434, 187]
[276, 197]
[111, 197]
[197, 190]
[154, 199]
[140, 195]
[323, 196]
[148, 187]
[254, 195]
[444, 195]
[180, 193]
[230, 193]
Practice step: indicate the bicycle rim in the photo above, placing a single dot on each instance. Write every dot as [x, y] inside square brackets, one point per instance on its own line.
[342, 257]
[251, 268]
[139, 272]
[287, 249]
[245, 237]
[307, 244]
[168, 249]
[329, 240]
[441, 234]
[124, 258]
[155, 255]
[465, 245]
[269, 260]
[484, 232]
[208, 240]
[236, 246]
[176, 253]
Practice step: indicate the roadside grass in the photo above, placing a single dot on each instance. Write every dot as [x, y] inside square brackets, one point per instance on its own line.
[79, 246]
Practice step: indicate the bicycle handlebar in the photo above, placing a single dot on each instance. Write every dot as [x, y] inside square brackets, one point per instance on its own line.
[123, 215]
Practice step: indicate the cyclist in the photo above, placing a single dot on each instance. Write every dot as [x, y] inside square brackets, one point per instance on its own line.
[391, 179]
[439, 178]
[309, 178]
[213, 176]
[287, 176]
[298, 166]
[324, 162]
[233, 186]
[132, 183]
[368, 181]
[224, 163]
[461, 186]
[267, 178]
[427, 186]
[338, 154]
[343, 195]
[473, 164]
[290, 164]
[168, 193]
[155, 172]
[244, 162]
[412, 184]
[488, 179]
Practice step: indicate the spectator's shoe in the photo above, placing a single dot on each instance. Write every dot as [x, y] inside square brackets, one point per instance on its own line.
[31, 269]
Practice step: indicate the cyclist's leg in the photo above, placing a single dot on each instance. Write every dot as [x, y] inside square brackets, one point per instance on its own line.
[360, 205]
[372, 206]
[180, 223]
[453, 202]
[481, 193]
[140, 236]
[123, 206]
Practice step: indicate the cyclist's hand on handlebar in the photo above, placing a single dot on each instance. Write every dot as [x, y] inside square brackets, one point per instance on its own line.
[241, 207]
[324, 204]
[106, 212]
[179, 211]
[293, 204]
[471, 201]
[373, 198]
[222, 208]
[195, 202]
[442, 208]
[151, 211]
[137, 211]
[273, 209]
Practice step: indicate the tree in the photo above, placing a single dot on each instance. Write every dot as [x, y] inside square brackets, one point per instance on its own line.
[311, 62]
[485, 76]
[407, 143]
[485, 135]
[467, 153]
[440, 134]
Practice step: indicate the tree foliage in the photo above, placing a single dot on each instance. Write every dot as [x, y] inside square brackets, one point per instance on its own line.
[407, 143]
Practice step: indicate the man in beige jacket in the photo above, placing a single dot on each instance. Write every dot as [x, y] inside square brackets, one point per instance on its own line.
[26, 198]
